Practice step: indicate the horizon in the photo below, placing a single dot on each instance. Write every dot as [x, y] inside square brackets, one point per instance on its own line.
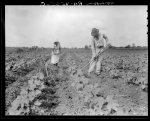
[70, 47]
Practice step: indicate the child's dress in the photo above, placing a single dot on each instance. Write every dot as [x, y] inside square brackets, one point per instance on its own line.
[55, 56]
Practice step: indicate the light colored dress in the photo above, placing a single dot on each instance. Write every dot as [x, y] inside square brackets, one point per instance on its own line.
[55, 56]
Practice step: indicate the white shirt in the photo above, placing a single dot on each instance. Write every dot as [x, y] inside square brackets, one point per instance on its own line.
[96, 44]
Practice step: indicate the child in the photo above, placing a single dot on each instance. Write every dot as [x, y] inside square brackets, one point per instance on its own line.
[56, 53]
[97, 44]
[55, 56]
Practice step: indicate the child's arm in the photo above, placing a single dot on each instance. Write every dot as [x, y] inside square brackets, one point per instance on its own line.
[52, 52]
[56, 52]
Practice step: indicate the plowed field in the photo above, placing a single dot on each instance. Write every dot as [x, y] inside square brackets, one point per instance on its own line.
[121, 89]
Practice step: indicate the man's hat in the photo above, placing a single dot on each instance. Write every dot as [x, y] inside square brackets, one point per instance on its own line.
[94, 31]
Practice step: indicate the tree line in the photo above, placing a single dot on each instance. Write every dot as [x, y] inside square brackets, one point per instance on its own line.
[125, 47]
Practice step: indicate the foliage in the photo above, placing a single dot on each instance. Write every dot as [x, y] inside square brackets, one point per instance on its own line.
[122, 85]
[86, 47]
[19, 50]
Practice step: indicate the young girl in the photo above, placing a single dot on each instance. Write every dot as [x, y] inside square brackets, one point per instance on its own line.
[56, 53]
[55, 56]
[97, 45]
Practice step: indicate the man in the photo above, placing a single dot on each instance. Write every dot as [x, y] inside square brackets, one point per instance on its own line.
[99, 41]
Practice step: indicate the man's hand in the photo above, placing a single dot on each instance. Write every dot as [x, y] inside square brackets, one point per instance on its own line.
[95, 58]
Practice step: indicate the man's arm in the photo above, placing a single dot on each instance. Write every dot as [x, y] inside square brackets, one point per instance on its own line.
[93, 48]
[106, 39]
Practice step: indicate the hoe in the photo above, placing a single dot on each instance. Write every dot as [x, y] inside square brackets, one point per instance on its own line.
[104, 49]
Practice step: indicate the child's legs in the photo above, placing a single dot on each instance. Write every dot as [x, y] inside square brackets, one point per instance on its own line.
[56, 64]
[98, 64]
[46, 66]
[92, 65]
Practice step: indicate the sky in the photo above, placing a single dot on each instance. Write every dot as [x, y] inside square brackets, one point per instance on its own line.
[27, 26]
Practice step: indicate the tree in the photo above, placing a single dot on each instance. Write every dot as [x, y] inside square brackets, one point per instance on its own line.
[133, 45]
[128, 46]
[34, 48]
[86, 47]
[111, 46]
[20, 50]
